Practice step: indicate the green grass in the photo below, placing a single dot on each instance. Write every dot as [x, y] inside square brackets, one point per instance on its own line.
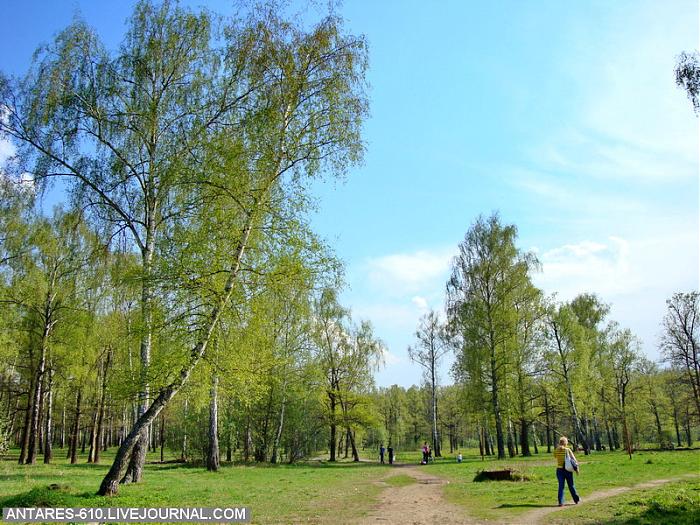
[401, 480]
[316, 491]
[599, 471]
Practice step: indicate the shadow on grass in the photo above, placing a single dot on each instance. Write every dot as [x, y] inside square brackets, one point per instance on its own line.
[177, 466]
[682, 511]
[90, 466]
[524, 505]
[653, 517]
[10, 477]
[50, 496]
[314, 464]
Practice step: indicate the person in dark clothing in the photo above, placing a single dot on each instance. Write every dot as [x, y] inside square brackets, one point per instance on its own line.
[381, 453]
[390, 450]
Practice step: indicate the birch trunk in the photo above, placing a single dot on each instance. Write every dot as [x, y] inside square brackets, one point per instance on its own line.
[213, 452]
[48, 434]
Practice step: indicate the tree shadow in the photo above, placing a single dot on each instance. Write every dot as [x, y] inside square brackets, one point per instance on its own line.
[54, 495]
[677, 515]
[525, 505]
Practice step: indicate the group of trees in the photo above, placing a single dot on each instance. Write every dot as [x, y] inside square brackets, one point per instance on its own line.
[529, 367]
[182, 258]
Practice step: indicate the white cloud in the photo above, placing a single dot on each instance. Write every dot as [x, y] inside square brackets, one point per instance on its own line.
[7, 148]
[582, 249]
[393, 291]
[616, 154]
[420, 302]
[588, 266]
[634, 275]
[617, 179]
[383, 312]
[408, 272]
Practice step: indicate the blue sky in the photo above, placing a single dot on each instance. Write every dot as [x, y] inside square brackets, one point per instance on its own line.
[562, 116]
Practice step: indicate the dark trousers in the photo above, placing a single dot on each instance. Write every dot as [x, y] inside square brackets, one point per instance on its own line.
[563, 474]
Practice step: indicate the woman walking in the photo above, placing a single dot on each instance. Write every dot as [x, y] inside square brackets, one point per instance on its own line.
[562, 474]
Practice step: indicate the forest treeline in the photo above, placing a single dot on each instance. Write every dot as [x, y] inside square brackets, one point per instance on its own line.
[178, 300]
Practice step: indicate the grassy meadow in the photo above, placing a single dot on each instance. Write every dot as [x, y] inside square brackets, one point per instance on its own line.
[321, 492]
[303, 493]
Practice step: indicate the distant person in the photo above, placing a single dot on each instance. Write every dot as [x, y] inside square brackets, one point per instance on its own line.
[425, 453]
[381, 453]
[459, 457]
[390, 451]
[430, 454]
[560, 454]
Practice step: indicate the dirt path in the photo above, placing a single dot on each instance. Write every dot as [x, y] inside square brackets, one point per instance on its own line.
[536, 516]
[419, 503]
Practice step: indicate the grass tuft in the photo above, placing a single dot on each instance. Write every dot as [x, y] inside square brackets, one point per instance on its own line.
[402, 480]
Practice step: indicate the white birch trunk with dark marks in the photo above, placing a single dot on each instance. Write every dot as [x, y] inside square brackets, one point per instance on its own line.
[213, 450]
[48, 433]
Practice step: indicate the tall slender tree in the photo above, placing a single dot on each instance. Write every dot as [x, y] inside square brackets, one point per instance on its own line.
[431, 347]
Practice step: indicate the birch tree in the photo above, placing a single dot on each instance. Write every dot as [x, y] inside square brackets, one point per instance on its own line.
[431, 347]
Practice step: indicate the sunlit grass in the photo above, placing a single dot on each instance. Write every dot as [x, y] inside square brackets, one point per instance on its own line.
[401, 480]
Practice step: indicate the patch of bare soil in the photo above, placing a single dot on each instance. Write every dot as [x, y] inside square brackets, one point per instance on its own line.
[420, 503]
